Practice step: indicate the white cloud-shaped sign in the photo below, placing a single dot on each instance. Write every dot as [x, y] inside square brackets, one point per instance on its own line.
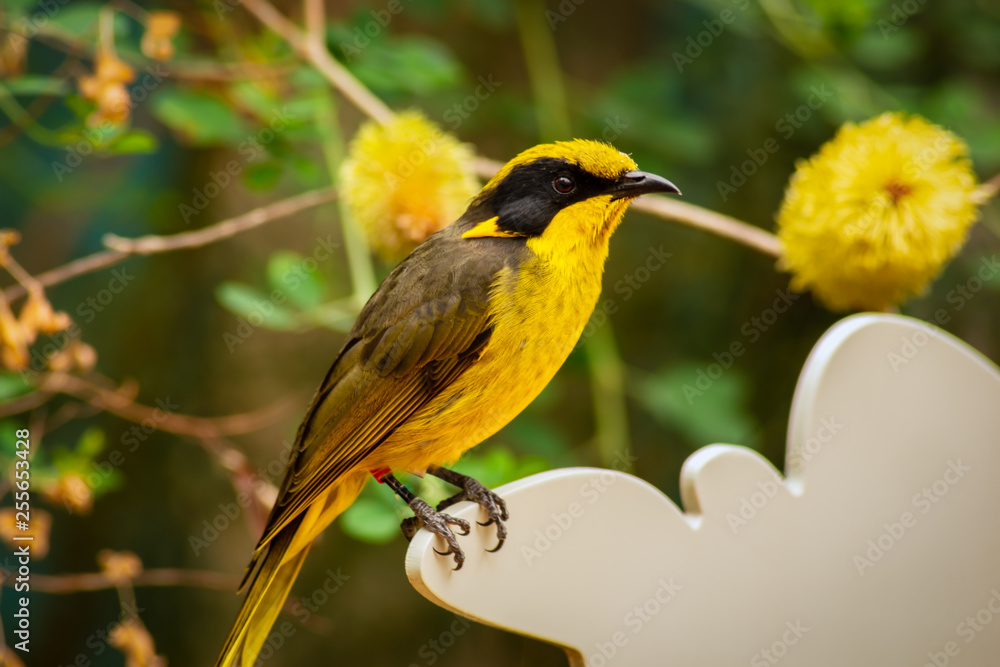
[880, 547]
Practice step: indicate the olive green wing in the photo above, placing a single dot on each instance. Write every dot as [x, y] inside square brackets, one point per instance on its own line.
[426, 325]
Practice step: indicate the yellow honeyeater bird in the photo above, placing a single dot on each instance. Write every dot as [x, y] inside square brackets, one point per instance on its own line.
[460, 338]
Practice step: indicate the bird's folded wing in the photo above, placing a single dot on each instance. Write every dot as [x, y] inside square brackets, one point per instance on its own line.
[420, 331]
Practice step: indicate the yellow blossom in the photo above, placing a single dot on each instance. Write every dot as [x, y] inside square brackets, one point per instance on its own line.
[869, 220]
[405, 180]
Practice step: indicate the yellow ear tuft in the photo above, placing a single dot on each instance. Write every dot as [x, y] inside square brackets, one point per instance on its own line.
[489, 228]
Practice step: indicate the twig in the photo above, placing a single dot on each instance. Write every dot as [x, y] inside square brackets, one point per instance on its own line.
[122, 248]
[684, 213]
[96, 581]
[30, 284]
[122, 405]
[712, 222]
[64, 584]
[149, 245]
[315, 13]
[24, 403]
[988, 189]
[98, 260]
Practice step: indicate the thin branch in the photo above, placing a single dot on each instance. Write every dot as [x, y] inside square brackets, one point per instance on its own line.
[95, 581]
[712, 222]
[95, 262]
[149, 245]
[316, 53]
[63, 584]
[24, 403]
[122, 405]
[684, 213]
[30, 284]
[989, 189]
[315, 13]
[121, 248]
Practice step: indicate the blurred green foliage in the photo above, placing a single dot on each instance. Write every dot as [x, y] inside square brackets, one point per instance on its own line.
[690, 89]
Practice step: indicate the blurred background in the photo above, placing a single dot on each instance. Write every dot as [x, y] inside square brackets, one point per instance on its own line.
[223, 117]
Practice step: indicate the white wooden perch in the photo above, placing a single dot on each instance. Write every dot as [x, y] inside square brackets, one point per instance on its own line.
[880, 547]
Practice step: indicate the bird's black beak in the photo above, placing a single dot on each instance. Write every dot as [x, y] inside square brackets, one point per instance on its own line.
[635, 183]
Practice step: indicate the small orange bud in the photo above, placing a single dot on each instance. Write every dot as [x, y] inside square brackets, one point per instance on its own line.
[119, 566]
[161, 27]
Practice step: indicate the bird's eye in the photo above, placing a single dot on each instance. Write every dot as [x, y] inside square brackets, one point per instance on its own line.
[564, 185]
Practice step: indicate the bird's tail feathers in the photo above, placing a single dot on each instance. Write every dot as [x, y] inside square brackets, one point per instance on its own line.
[268, 581]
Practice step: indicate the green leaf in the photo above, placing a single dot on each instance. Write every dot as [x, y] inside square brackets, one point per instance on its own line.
[416, 65]
[252, 96]
[108, 481]
[91, 444]
[77, 17]
[289, 272]
[703, 408]
[370, 521]
[336, 319]
[35, 84]
[262, 175]
[201, 118]
[136, 141]
[12, 386]
[255, 306]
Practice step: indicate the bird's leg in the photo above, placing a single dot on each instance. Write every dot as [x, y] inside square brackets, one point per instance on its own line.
[496, 508]
[425, 515]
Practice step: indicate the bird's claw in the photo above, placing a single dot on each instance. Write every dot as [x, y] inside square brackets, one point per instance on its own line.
[495, 506]
[439, 524]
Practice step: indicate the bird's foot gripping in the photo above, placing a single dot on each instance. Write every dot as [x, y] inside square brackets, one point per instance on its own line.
[425, 516]
[496, 508]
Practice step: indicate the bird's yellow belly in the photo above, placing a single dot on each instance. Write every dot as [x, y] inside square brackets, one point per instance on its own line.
[537, 320]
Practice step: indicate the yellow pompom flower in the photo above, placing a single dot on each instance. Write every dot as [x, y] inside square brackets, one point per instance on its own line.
[405, 180]
[869, 220]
